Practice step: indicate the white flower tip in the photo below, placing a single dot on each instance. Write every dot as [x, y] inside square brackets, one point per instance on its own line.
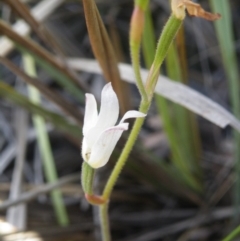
[88, 96]
[132, 114]
[108, 86]
[140, 114]
[108, 89]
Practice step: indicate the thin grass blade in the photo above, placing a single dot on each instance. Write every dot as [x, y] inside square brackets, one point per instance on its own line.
[226, 41]
[181, 151]
[181, 121]
[8, 93]
[44, 146]
[23, 11]
[103, 51]
[17, 216]
[51, 95]
[56, 69]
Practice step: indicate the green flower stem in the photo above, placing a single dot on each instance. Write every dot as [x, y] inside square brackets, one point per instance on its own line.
[168, 34]
[117, 170]
[136, 31]
[126, 151]
[106, 236]
[135, 48]
[87, 178]
[166, 38]
[142, 4]
[235, 233]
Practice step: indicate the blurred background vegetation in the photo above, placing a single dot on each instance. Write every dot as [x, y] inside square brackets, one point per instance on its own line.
[182, 179]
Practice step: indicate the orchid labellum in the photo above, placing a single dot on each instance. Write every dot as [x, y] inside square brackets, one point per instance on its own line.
[99, 130]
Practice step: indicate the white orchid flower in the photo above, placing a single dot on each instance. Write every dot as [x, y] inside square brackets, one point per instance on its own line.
[100, 134]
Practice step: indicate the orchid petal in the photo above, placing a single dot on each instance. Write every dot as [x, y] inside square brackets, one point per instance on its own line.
[103, 147]
[91, 114]
[108, 115]
[132, 114]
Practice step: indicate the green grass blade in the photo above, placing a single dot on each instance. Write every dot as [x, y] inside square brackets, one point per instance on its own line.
[58, 76]
[8, 93]
[226, 41]
[178, 156]
[45, 147]
[234, 234]
[48, 61]
[177, 145]
[181, 117]
[103, 50]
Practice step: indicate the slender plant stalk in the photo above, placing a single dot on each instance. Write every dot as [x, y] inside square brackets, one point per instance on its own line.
[117, 170]
[87, 178]
[125, 153]
[135, 63]
[105, 228]
[143, 4]
[178, 156]
[234, 234]
[45, 148]
[165, 41]
[136, 31]
[168, 33]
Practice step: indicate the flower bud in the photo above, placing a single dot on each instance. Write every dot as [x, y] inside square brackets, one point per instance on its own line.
[137, 24]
